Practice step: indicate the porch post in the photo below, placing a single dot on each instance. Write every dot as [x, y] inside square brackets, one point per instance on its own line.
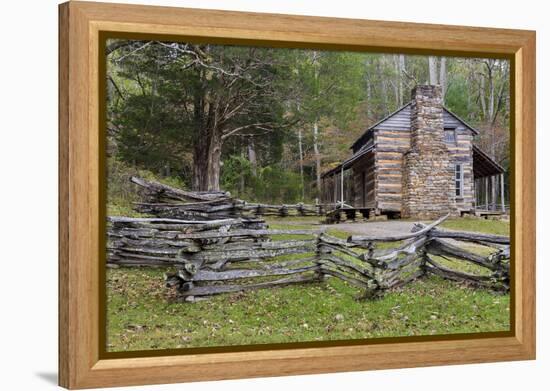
[342, 185]
[494, 192]
[486, 180]
[475, 194]
[335, 182]
[502, 193]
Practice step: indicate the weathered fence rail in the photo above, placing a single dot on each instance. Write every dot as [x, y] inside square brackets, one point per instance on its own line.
[166, 201]
[223, 256]
[162, 241]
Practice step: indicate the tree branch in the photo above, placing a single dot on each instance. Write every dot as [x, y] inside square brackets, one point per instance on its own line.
[226, 133]
[133, 52]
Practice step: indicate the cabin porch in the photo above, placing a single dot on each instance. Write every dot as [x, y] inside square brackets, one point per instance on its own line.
[489, 186]
[351, 183]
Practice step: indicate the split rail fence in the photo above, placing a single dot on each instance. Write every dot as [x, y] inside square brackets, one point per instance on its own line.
[235, 254]
[166, 201]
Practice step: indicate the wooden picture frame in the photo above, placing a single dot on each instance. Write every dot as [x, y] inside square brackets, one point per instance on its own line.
[81, 201]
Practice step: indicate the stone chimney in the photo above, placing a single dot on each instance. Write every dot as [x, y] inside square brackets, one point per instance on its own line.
[428, 179]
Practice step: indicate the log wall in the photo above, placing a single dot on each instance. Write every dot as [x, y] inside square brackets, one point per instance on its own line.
[462, 153]
[363, 182]
[391, 144]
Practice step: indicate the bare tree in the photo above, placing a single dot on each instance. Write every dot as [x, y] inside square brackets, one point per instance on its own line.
[383, 85]
[443, 76]
[316, 153]
[432, 67]
[401, 74]
[301, 161]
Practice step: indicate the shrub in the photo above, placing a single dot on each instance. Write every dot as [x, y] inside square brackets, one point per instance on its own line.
[271, 184]
[121, 193]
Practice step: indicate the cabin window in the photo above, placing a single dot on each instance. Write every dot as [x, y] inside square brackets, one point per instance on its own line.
[450, 135]
[459, 180]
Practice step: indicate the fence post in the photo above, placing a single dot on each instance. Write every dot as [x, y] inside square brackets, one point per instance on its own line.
[319, 272]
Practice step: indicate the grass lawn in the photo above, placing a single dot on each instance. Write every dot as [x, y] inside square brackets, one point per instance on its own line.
[142, 313]
[496, 227]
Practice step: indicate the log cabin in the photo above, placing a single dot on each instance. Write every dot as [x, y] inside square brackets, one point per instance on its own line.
[418, 162]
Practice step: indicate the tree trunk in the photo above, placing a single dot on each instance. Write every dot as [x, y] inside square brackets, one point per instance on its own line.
[252, 156]
[206, 161]
[208, 144]
[384, 87]
[241, 178]
[482, 96]
[301, 153]
[401, 70]
[316, 127]
[200, 164]
[317, 155]
[491, 104]
[443, 77]
[369, 100]
[397, 81]
[432, 67]
[368, 74]
[491, 111]
[214, 160]
[200, 149]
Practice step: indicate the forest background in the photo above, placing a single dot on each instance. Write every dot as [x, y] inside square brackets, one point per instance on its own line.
[264, 123]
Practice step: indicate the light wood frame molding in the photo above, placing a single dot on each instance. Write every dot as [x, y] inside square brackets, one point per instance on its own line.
[80, 24]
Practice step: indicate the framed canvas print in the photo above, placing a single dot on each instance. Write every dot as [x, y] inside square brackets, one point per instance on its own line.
[247, 195]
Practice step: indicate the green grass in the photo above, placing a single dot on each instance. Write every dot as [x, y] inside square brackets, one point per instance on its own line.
[496, 227]
[121, 193]
[122, 208]
[301, 220]
[143, 314]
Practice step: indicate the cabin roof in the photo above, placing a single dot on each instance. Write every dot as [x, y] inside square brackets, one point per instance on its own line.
[483, 164]
[474, 130]
[365, 133]
[388, 117]
[349, 161]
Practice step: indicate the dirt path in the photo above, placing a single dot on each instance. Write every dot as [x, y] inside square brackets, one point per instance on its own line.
[379, 228]
[385, 228]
